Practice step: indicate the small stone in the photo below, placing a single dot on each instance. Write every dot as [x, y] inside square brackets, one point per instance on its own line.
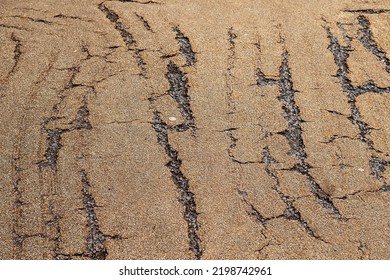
[172, 119]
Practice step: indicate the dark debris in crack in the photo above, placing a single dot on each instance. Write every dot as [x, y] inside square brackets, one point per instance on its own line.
[367, 39]
[185, 47]
[293, 133]
[186, 197]
[95, 241]
[178, 90]
[53, 139]
[127, 37]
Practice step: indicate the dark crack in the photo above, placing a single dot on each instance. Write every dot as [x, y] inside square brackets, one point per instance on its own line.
[13, 27]
[53, 147]
[186, 197]
[81, 121]
[185, 47]
[139, 2]
[232, 39]
[37, 20]
[127, 37]
[229, 84]
[178, 90]
[368, 11]
[253, 211]
[95, 241]
[341, 54]
[290, 213]
[144, 22]
[20, 238]
[84, 49]
[18, 200]
[72, 17]
[17, 54]
[293, 133]
[53, 139]
[347, 39]
[74, 71]
[378, 166]
[232, 146]
[16, 183]
[366, 37]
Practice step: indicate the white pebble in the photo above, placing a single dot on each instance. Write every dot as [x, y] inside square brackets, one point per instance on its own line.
[172, 119]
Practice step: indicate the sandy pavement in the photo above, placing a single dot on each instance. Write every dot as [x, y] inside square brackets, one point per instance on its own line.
[174, 129]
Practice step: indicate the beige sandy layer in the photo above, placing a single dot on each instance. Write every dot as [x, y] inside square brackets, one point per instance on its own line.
[194, 129]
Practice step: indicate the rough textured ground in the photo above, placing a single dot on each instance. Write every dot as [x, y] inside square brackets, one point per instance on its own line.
[173, 129]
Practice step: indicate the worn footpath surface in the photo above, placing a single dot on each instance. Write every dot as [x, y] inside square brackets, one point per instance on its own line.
[173, 129]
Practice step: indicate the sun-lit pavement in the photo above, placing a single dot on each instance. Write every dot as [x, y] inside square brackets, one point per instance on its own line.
[194, 129]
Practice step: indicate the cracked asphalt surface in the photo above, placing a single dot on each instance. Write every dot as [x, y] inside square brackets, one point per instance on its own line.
[180, 129]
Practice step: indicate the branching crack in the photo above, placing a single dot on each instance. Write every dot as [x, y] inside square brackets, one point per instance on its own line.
[341, 54]
[290, 213]
[53, 140]
[127, 37]
[293, 133]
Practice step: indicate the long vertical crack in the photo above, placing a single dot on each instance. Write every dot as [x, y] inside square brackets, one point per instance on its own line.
[185, 47]
[232, 36]
[186, 197]
[231, 104]
[127, 37]
[293, 133]
[179, 92]
[18, 202]
[95, 240]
